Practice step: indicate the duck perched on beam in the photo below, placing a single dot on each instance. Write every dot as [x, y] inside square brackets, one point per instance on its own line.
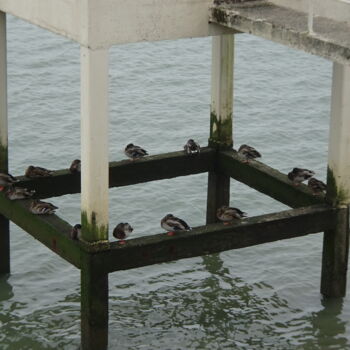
[76, 232]
[248, 152]
[192, 147]
[298, 175]
[6, 180]
[317, 186]
[75, 167]
[134, 152]
[122, 231]
[14, 193]
[42, 208]
[37, 171]
[171, 223]
[228, 214]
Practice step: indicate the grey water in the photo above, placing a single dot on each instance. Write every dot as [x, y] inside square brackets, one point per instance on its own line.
[264, 297]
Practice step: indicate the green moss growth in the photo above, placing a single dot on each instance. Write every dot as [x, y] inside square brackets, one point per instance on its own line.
[220, 132]
[336, 195]
[91, 232]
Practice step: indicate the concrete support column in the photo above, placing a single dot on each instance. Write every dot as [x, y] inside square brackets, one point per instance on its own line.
[94, 144]
[94, 195]
[336, 242]
[4, 223]
[220, 119]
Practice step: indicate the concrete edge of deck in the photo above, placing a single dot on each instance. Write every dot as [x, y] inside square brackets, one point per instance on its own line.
[331, 38]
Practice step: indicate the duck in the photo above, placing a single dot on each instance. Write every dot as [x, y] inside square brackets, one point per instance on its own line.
[122, 231]
[171, 223]
[298, 175]
[75, 233]
[192, 147]
[41, 208]
[13, 193]
[248, 152]
[317, 186]
[134, 152]
[37, 171]
[226, 214]
[6, 180]
[75, 167]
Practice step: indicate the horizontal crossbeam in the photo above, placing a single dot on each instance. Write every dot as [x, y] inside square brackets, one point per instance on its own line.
[127, 172]
[266, 180]
[215, 238]
[50, 230]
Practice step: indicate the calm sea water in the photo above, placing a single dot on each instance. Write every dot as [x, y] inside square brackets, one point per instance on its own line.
[264, 297]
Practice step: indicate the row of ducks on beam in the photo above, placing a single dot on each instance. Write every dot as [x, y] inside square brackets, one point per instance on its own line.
[297, 175]
[169, 222]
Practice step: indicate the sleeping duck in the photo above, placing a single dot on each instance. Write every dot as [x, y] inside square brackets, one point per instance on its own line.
[134, 152]
[122, 231]
[76, 232]
[13, 193]
[227, 214]
[37, 171]
[6, 180]
[317, 186]
[192, 147]
[75, 167]
[171, 223]
[42, 208]
[248, 152]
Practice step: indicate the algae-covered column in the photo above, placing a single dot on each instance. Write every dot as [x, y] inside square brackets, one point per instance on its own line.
[336, 242]
[4, 223]
[220, 119]
[94, 194]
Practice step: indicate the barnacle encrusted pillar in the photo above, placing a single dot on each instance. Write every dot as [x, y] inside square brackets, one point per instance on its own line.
[4, 223]
[336, 242]
[220, 119]
[94, 195]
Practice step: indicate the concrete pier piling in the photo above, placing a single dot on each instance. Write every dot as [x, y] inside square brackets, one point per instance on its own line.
[4, 222]
[102, 24]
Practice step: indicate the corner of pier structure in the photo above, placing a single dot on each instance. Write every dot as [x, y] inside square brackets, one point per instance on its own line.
[336, 241]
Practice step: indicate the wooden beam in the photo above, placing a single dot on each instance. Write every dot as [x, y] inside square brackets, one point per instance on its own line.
[125, 172]
[48, 229]
[94, 305]
[216, 238]
[267, 180]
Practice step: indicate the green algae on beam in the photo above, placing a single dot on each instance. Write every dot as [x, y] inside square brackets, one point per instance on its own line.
[126, 172]
[216, 238]
[50, 230]
[91, 231]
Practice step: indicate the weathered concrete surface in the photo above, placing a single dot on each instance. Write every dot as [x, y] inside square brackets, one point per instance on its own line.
[286, 26]
[100, 24]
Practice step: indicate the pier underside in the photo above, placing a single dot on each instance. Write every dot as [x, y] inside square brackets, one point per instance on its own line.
[311, 213]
